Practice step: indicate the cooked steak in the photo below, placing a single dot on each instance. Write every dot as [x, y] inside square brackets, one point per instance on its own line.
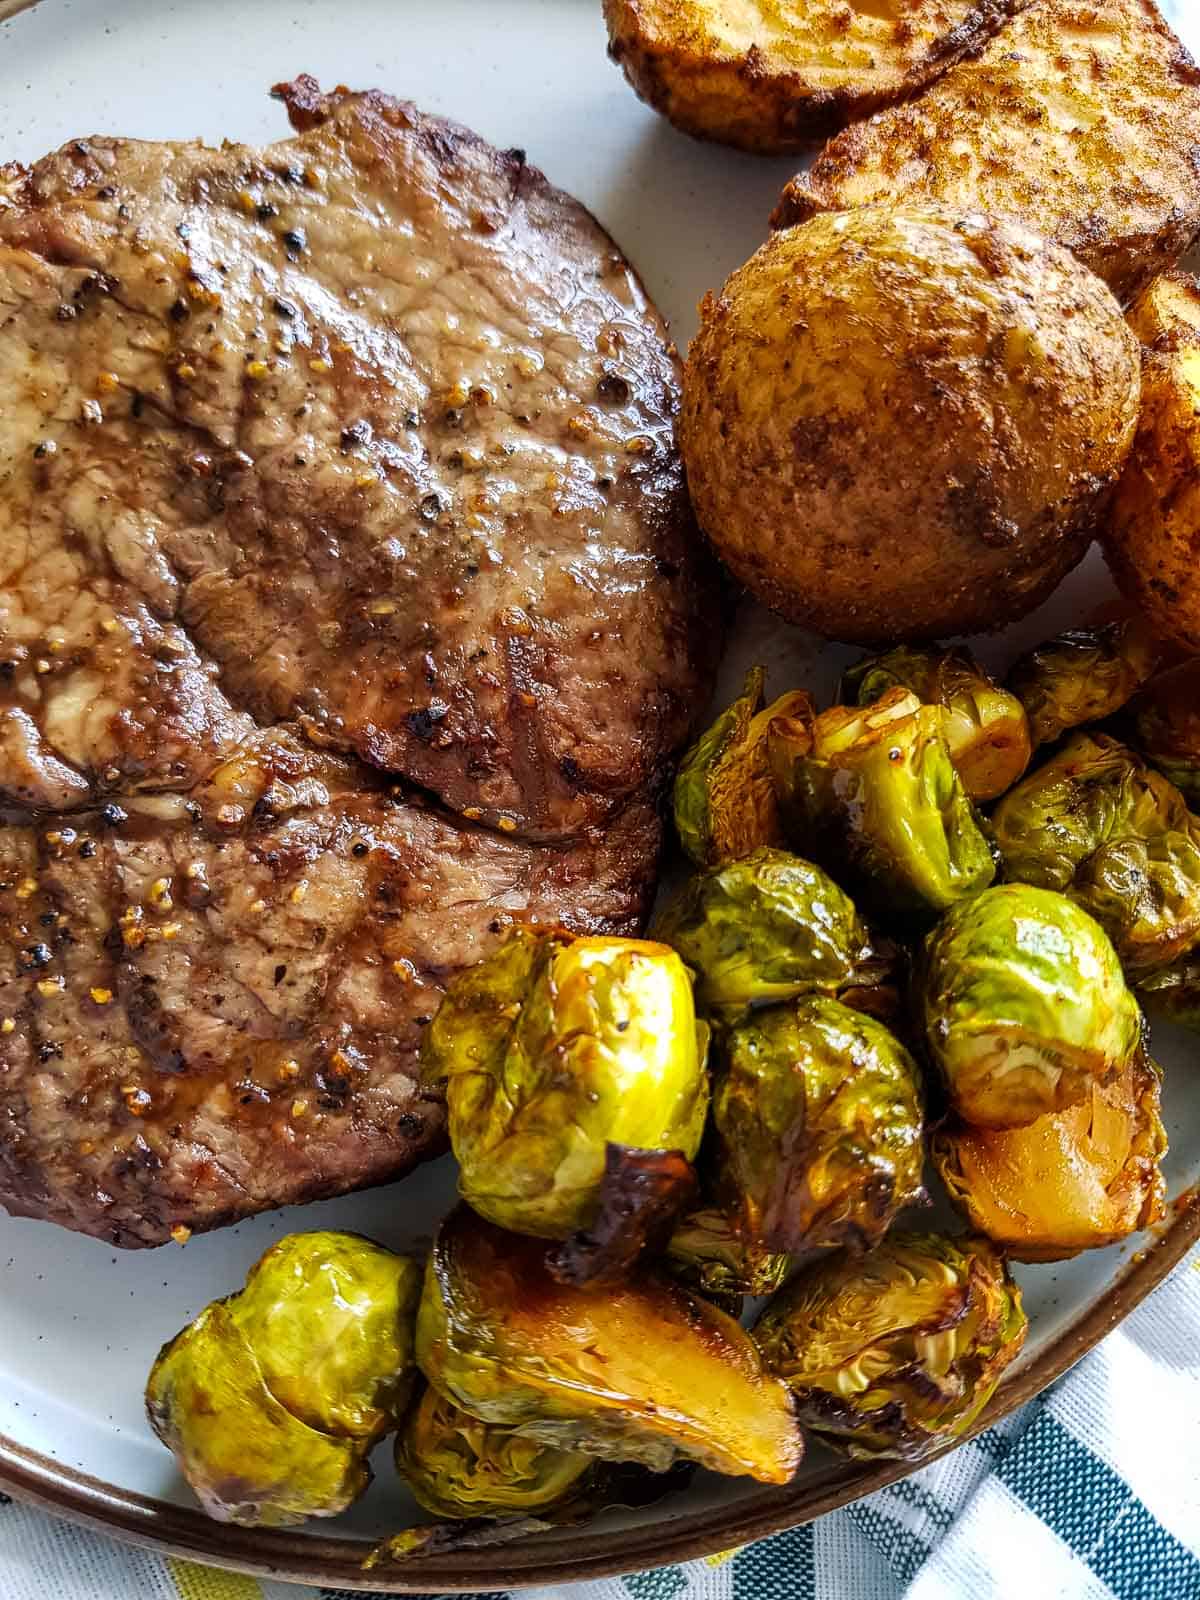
[383, 422]
[349, 608]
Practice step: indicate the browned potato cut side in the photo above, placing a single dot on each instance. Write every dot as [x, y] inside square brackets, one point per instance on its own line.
[901, 425]
[1081, 115]
[772, 75]
[1153, 540]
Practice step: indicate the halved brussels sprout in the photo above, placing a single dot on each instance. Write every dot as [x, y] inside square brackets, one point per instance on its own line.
[985, 727]
[1100, 825]
[457, 1466]
[725, 804]
[272, 1399]
[1025, 1006]
[642, 1372]
[1173, 993]
[553, 1048]
[1083, 676]
[878, 797]
[708, 1252]
[767, 928]
[896, 1352]
[818, 1113]
[1072, 1181]
[1167, 726]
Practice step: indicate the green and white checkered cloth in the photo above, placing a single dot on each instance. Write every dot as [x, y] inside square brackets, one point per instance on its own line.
[1092, 1492]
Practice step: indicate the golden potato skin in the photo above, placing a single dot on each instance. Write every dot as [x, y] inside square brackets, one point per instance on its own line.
[1153, 537]
[772, 75]
[1081, 117]
[899, 425]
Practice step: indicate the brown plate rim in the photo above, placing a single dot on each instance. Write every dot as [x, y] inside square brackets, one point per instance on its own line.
[330, 1560]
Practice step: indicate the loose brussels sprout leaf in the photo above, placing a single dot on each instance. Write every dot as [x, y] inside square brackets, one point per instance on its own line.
[708, 1252]
[642, 1372]
[330, 1319]
[1025, 1006]
[1174, 992]
[641, 1194]
[879, 798]
[457, 1466]
[1083, 676]
[554, 1048]
[247, 1458]
[725, 804]
[896, 1352]
[1166, 720]
[818, 1113]
[984, 726]
[768, 928]
[1100, 825]
[1072, 1181]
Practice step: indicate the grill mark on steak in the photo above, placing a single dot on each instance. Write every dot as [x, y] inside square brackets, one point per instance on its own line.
[356, 449]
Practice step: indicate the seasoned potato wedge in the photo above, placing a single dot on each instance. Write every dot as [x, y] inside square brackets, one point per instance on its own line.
[901, 425]
[771, 75]
[1081, 117]
[1153, 539]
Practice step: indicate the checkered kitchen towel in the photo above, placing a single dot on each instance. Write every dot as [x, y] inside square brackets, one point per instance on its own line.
[1089, 1493]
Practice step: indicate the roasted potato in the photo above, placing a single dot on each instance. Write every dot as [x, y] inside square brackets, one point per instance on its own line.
[1081, 115]
[770, 75]
[899, 425]
[1153, 538]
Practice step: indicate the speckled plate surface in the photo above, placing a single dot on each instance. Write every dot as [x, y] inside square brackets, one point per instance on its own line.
[80, 1324]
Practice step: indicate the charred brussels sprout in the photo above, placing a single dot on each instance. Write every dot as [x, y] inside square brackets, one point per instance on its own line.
[552, 1049]
[709, 1252]
[1083, 676]
[878, 797]
[1072, 1181]
[984, 726]
[643, 1371]
[1100, 825]
[1167, 726]
[1025, 1006]
[457, 1466]
[896, 1352]
[818, 1112]
[1173, 993]
[725, 803]
[272, 1399]
[769, 928]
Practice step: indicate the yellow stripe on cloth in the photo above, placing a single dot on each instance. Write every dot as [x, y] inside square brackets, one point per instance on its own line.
[722, 1556]
[207, 1583]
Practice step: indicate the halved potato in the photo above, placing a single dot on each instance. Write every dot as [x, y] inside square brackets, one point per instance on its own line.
[1153, 538]
[770, 75]
[1082, 118]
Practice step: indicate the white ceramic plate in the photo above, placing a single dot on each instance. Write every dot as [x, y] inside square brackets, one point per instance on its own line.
[79, 1323]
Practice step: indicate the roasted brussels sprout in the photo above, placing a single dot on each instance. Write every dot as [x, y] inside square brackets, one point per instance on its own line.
[769, 927]
[878, 797]
[1083, 676]
[1167, 726]
[725, 803]
[457, 1466]
[1173, 993]
[818, 1113]
[708, 1252]
[642, 1372]
[642, 1194]
[896, 1352]
[1025, 1006]
[1072, 1181]
[552, 1049]
[1100, 825]
[984, 726]
[272, 1399]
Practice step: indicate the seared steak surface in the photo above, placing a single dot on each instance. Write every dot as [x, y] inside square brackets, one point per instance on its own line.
[348, 608]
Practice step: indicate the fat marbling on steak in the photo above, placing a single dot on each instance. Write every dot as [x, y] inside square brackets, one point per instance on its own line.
[350, 606]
